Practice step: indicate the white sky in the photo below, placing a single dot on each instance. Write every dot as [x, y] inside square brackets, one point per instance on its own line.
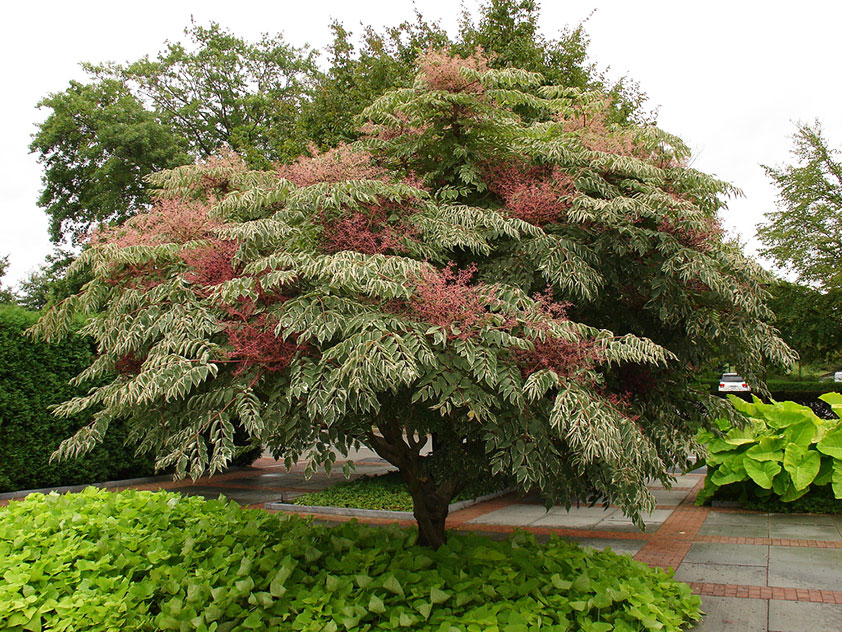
[729, 77]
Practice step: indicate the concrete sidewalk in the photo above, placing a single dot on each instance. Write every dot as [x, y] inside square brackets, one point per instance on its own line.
[755, 572]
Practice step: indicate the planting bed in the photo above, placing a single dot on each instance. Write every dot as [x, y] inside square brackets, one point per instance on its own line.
[145, 561]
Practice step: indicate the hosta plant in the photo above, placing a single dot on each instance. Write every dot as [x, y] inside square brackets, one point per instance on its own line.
[494, 265]
[782, 449]
[147, 562]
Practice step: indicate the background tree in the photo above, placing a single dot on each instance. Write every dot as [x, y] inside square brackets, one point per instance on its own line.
[50, 284]
[6, 295]
[804, 235]
[810, 321]
[101, 138]
[97, 144]
[451, 274]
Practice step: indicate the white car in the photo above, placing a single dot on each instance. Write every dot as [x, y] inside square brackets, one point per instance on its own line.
[733, 383]
[837, 377]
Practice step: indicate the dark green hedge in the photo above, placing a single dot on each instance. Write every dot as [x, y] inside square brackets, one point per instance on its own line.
[34, 376]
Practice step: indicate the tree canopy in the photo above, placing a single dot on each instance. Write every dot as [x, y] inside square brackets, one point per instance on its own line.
[810, 321]
[494, 263]
[266, 99]
[6, 295]
[804, 234]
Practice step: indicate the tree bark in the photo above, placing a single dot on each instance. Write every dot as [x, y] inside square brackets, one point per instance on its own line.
[429, 501]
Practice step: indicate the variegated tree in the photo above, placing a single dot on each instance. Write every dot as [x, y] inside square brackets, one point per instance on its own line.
[493, 265]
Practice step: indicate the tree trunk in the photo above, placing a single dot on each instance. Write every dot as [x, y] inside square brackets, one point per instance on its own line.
[430, 510]
[429, 501]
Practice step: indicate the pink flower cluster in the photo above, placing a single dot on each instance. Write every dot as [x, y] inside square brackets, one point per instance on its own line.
[335, 165]
[534, 194]
[175, 220]
[254, 342]
[446, 297]
[212, 264]
[440, 71]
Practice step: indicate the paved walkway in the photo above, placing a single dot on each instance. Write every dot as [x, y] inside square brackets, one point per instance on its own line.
[755, 572]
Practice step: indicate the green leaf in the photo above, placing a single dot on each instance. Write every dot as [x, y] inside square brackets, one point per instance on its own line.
[802, 465]
[801, 433]
[831, 444]
[393, 585]
[375, 605]
[837, 479]
[767, 449]
[438, 596]
[762, 472]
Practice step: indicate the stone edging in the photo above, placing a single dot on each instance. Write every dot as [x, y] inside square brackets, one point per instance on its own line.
[375, 513]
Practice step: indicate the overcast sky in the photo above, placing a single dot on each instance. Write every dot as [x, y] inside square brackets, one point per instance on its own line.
[729, 77]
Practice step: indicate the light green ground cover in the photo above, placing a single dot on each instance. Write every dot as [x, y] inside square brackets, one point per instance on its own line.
[146, 561]
[385, 492]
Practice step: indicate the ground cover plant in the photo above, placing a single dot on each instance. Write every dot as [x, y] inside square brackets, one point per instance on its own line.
[145, 561]
[494, 264]
[782, 452]
[385, 491]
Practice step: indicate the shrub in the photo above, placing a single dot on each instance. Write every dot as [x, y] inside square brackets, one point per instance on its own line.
[783, 449]
[145, 561]
[386, 492]
[34, 376]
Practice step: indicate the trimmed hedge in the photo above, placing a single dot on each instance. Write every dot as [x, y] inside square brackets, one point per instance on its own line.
[33, 377]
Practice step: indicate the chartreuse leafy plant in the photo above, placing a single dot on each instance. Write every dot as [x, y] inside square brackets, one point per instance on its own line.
[495, 265]
[385, 491]
[783, 449]
[148, 561]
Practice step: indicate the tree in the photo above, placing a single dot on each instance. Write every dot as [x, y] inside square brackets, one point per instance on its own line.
[6, 295]
[507, 30]
[810, 321]
[49, 284]
[96, 146]
[450, 274]
[804, 235]
[101, 138]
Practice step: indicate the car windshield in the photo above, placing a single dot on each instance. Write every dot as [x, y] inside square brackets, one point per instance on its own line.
[731, 378]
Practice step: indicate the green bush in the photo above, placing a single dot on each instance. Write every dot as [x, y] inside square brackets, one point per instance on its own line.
[34, 376]
[783, 450]
[385, 492]
[144, 561]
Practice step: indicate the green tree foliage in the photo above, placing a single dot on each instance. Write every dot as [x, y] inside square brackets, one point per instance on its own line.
[96, 145]
[451, 275]
[6, 295]
[810, 321]
[101, 138]
[223, 90]
[49, 284]
[803, 234]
